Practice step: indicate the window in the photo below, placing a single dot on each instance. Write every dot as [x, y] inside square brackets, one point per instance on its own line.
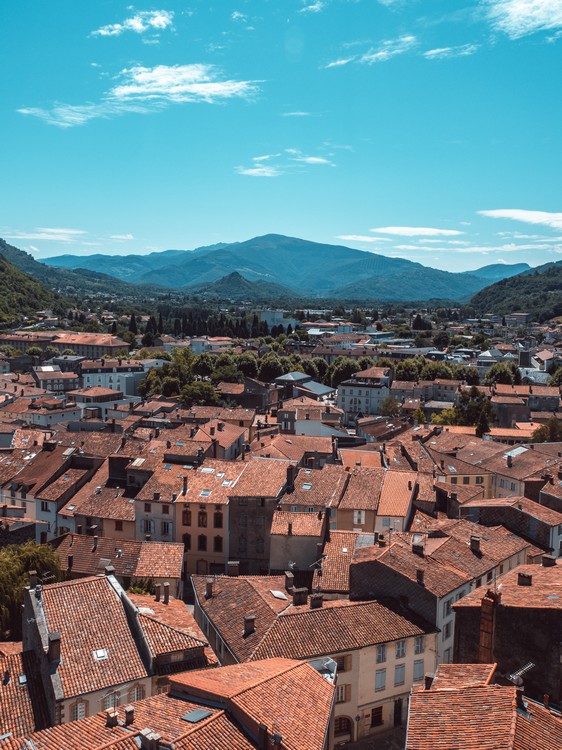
[466, 480]
[489, 576]
[453, 480]
[399, 674]
[147, 507]
[447, 656]
[217, 520]
[343, 662]
[202, 543]
[381, 653]
[479, 480]
[419, 645]
[187, 541]
[186, 518]
[400, 649]
[447, 611]
[78, 711]
[118, 525]
[380, 680]
[166, 510]
[165, 528]
[136, 693]
[44, 506]
[419, 670]
[342, 693]
[217, 544]
[147, 526]
[110, 701]
[358, 516]
[202, 519]
[376, 717]
[342, 726]
[386, 521]
[446, 631]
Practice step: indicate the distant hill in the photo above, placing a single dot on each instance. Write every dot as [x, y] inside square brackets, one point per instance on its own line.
[20, 294]
[74, 282]
[538, 291]
[236, 287]
[499, 271]
[311, 269]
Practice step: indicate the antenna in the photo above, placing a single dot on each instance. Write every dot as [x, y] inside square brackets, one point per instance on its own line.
[517, 676]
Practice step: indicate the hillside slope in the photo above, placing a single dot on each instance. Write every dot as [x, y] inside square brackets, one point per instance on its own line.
[538, 292]
[236, 287]
[20, 294]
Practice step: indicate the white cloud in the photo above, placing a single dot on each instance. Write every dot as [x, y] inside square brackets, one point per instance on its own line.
[546, 218]
[147, 20]
[442, 53]
[518, 18]
[296, 114]
[417, 231]
[385, 51]
[142, 90]
[121, 237]
[361, 238]
[313, 160]
[47, 233]
[238, 16]
[260, 170]
[315, 7]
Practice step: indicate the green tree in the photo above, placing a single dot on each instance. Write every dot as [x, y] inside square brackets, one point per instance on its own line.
[447, 416]
[15, 563]
[435, 370]
[34, 351]
[506, 373]
[550, 432]
[556, 377]
[390, 407]
[441, 339]
[342, 369]
[271, 367]
[418, 416]
[199, 392]
[409, 369]
[483, 424]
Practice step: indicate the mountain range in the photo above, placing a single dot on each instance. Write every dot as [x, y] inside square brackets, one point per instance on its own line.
[295, 268]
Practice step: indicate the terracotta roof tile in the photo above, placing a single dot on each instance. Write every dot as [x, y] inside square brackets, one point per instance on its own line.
[23, 707]
[302, 524]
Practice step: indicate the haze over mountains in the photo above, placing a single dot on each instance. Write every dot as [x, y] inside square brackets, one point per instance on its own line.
[293, 267]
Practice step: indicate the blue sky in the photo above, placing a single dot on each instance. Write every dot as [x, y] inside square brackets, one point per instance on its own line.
[424, 129]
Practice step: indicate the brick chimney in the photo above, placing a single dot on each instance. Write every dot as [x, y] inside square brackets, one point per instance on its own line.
[184, 488]
[420, 577]
[524, 579]
[300, 596]
[53, 650]
[475, 544]
[166, 592]
[69, 562]
[220, 426]
[417, 548]
[316, 601]
[428, 681]
[289, 581]
[249, 625]
[233, 568]
[509, 461]
[129, 715]
[209, 588]
[290, 478]
[548, 561]
[157, 589]
[95, 544]
[149, 740]
[212, 431]
[111, 719]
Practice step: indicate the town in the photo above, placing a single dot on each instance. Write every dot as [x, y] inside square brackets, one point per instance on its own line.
[297, 528]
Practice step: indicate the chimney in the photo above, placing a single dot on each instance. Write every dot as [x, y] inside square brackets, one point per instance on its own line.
[95, 544]
[157, 589]
[168, 444]
[524, 579]
[129, 715]
[209, 588]
[316, 601]
[53, 649]
[109, 570]
[382, 541]
[220, 426]
[233, 568]
[509, 461]
[519, 698]
[548, 561]
[475, 544]
[417, 548]
[442, 463]
[290, 478]
[290, 529]
[32, 579]
[300, 596]
[249, 625]
[212, 431]
[166, 592]
[428, 681]
[546, 700]
[111, 719]
[184, 489]
[409, 485]
[289, 581]
[420, 576]
[149, 740]
[310, 462]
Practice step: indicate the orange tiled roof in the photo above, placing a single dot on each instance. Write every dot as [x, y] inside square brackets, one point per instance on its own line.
[302, 524]
[23, 707]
